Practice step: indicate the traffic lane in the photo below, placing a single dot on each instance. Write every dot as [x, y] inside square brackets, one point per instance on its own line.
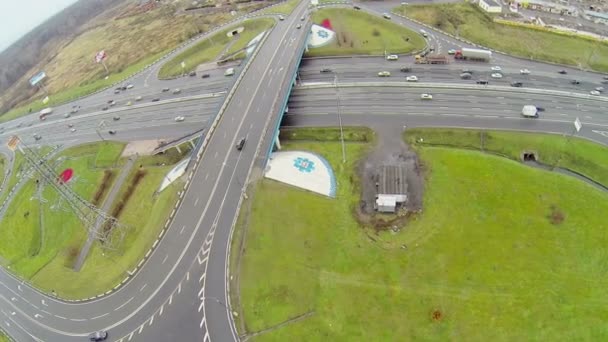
[446, 72]
[186, 107]
[95, 102]
[486, 97]
[521, 124]
[265, 79]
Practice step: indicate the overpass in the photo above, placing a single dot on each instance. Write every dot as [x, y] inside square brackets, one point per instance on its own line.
[180, 292]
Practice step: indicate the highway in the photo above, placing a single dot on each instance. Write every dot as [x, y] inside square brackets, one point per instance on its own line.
[180, 293]
[195, 243]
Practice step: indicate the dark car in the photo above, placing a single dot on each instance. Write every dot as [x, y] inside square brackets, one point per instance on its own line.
[98, 336]
[165, 90]
[357, 7]
[575, 82]
[606, 77]
[467, 71]
[156, 99]
[325, 71]
[116, 118]
[563, 72]
[604, 82]
[465, 76]
[482, 82]
[112, 131]
[192, 73]
[517, 84]
[104, 108]
[405, 69]
[540, 109]
[240, 144]
[116, 91]
[205, 76]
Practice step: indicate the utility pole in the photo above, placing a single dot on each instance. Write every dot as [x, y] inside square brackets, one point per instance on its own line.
[340, 117]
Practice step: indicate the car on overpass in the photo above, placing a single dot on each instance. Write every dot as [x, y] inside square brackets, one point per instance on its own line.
[426, 96]
[496, 75]
[411, 78]
[384, 74]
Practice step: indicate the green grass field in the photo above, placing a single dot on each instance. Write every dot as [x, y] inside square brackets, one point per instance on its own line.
[210, 48]
[3, 163]
[3, 337]
[483, 261]
[359, 33]
[79, 90]
[579, 155]
[45, 256]
[285, 8]
[469, 22]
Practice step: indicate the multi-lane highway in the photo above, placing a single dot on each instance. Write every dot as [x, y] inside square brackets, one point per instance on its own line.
[181, 292]
[171, 297]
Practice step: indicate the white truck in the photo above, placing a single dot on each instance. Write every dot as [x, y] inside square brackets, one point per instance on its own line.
[473, 54]
[44, 113]
[529, 111]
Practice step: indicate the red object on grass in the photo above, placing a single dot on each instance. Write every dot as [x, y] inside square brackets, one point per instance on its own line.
[66, 175]
[327, 24]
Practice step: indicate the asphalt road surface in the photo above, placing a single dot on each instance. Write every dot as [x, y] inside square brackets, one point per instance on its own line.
[181, 291]
[196, 242]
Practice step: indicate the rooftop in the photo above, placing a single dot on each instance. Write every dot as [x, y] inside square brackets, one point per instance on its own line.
[392, 180]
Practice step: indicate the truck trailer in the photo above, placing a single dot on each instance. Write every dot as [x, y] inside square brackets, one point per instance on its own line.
[432, 59]
[44, 113]
[473, 54]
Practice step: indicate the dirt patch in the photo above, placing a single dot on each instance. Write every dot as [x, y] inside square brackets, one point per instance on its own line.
[103, 187]
[117, 211]
[390, 149]
[140, 148]
[436, 315]
[556, 217]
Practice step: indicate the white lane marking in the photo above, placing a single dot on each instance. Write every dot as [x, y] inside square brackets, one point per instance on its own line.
[182, 230]
[59, 316]
[201, 278]
[215, 155]
[43, 302]
[187, 275]
[131, 335]
[104, 315]
[201, 291]
[77, 319]
[179, 288]
[206, 176]
[141, 328]
[143, 287]
[123, 304]
[202, 322]
[602, 133]
[151, 320]
[37, 316]
[162, 308]
[171, 299]
[165, 259]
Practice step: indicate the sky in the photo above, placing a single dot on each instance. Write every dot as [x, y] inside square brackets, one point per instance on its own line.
[18, 17]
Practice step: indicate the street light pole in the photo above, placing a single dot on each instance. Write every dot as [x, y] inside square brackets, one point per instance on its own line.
[340, 117]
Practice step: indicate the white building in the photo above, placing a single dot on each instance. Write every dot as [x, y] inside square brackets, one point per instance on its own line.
[490, 6]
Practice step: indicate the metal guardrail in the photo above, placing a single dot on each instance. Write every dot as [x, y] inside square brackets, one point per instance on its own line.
[455, 86]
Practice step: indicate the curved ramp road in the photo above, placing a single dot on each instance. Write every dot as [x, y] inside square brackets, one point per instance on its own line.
[189, 263]
[180, 293]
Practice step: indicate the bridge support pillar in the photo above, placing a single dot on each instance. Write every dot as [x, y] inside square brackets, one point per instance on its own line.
[277, 142]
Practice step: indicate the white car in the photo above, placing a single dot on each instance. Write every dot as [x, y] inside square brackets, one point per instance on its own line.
[600, 89]
[384, 74]
[177, 91]
[451, 52]
[496, 75]
[411, 79]
[179, 118]
[594, 92]
[386, 16]
[73, 130]
[281, 18]
[138, 98]
[130, 86]
[392, 57]
[496, 68]
[426, 97]
[524, 72]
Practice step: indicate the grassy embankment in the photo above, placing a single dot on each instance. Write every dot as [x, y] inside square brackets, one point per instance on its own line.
[210, 48]
[578, 155]
[359, 33]
[501, 251]
[285, 8]
[3, 337]
[45, 255]
[469, 22]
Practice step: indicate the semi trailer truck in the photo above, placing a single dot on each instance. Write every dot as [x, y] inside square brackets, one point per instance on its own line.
[473, 54]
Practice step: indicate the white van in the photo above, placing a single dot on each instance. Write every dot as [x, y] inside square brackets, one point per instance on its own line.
[423, 33]
[229, 72]
[529, 111]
